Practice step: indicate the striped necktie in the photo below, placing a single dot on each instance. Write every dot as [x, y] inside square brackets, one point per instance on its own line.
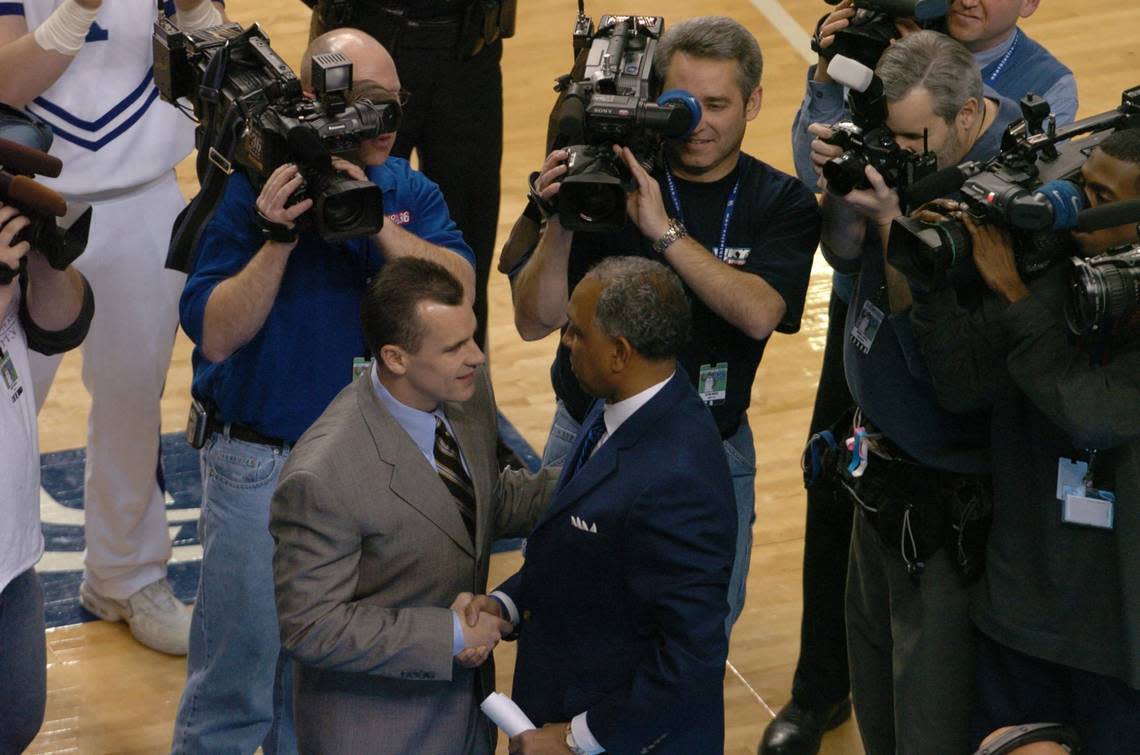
[593, 434]
[450, 467]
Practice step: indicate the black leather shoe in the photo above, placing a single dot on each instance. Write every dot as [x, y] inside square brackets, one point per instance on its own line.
[797, 731]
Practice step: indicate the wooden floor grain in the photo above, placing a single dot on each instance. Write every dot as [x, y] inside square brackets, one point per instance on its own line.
[108, 694]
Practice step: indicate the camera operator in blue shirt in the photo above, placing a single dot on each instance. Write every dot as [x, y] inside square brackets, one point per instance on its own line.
[277, 330]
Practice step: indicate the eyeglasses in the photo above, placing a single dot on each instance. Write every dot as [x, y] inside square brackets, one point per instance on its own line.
[365, 88]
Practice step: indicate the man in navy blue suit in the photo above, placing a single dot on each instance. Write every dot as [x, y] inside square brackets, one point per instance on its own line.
[620, 604]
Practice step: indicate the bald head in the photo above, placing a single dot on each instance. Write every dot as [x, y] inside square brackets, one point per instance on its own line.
[370, 61]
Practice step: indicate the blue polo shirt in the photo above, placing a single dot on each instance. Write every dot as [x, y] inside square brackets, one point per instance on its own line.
[283, 378]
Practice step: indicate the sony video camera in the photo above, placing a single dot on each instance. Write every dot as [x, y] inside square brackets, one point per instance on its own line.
[1103, 288]
[251, 112]
[865, 138]
[873, 27]
[617, 100]
[1027, 188]
[56, 230]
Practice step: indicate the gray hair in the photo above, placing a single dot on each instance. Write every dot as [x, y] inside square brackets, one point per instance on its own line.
[715, 37]
[935, 62]
[643, 301]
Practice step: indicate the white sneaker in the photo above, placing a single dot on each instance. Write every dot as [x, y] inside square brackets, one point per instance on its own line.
[157, 619]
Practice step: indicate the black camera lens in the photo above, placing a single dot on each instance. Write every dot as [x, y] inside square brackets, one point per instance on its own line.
[344, 209]
[845, 172]
[1102, 290]
[593, 203]
[924, 252]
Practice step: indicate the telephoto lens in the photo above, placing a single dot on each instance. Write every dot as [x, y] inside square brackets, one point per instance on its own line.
[1103, 289]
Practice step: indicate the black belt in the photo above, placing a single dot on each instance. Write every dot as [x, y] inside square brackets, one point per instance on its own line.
[243, 433]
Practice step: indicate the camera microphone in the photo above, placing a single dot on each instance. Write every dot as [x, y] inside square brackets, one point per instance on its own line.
[31, 194]
[1110, 215]
[27, 161]
[934, 186]
[571, 121]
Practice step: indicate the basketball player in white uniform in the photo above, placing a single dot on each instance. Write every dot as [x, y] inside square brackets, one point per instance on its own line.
[85, 68]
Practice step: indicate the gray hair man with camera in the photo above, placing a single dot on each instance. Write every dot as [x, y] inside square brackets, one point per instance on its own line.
[48, 311]
[274, 312]
[1012, 64]
[906, 617]
[739, 233]
[1059, 608]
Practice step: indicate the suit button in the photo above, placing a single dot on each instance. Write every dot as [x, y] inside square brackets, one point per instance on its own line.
[526, 615]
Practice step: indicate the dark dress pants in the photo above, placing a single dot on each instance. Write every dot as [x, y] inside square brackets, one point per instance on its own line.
[454, 122]
[821, 678]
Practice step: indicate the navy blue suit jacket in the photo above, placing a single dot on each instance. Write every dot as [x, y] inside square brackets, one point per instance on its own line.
[624, 590]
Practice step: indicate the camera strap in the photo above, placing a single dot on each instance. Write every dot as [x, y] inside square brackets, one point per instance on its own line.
[214, 167]
[721, 250]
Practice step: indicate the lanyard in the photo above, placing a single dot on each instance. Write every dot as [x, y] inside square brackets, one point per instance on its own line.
[729, 206]
[994, 74]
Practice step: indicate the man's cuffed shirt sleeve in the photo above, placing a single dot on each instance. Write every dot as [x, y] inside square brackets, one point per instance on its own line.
[457, 642]
[583, 738]
[509, 605]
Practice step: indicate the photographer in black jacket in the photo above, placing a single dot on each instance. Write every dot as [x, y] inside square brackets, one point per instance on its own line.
[1059, 608]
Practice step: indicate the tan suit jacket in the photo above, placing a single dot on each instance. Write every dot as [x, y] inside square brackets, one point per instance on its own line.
[370, 553]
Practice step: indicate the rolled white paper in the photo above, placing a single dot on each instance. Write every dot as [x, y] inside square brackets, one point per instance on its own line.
[505, 714]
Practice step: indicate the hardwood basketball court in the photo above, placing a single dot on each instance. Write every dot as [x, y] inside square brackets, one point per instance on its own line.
[107, 694]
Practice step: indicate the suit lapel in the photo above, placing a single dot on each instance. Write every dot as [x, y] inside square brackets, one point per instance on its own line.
[605, 460]
[413, 478]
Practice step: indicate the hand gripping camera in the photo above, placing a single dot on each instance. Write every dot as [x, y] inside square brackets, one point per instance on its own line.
[57, 230]
[1028, 188]
[873, 27]
[252, 113]
[866, 140]
[616, 100]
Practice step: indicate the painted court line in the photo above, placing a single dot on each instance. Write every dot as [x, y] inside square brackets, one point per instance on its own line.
[788, 27]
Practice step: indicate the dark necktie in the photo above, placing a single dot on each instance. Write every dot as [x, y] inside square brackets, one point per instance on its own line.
[593, 434]
[450, 467]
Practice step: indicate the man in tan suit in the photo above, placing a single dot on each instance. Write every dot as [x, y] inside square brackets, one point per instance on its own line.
[383, 522]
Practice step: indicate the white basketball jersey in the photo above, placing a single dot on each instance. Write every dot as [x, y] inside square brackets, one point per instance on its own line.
[112, 130]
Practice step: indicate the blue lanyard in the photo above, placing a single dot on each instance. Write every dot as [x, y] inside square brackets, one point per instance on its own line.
[994, 74]
[722, 249]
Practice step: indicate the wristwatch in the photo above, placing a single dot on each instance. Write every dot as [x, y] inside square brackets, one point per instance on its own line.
[571, 743]
[675, 231]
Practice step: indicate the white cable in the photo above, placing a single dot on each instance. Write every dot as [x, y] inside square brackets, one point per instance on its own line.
[202, 16]
[66, 28]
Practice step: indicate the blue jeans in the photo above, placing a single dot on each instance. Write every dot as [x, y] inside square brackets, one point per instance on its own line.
[238, 694]
[741, 454]
[23, 691]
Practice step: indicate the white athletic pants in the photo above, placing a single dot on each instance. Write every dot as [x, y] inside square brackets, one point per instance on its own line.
[125, 358]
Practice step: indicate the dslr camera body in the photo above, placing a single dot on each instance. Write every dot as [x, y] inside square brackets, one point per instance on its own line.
[865, 138]
[252, 113]
[1029, 188]
[615, 101]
